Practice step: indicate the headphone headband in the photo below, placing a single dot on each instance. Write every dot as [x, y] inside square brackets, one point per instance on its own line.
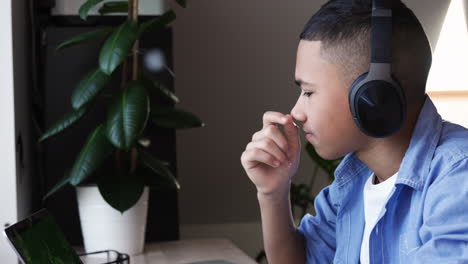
[381, 31]
[376, 100]
[382, 4]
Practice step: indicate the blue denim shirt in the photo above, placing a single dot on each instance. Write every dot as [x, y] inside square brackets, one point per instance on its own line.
[426, 217]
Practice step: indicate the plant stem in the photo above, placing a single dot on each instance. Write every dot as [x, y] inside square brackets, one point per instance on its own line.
[124, 74]
[126, 64]
[134, 17]
[133, 158]
[136, 44]
[118, 159]
[134, 10]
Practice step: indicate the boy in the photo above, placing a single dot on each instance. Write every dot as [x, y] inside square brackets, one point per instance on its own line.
[397, 199]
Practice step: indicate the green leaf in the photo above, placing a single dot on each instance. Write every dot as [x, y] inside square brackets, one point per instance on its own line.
[162, 91]
[117, 47]
[114, 7]
[88, 87]
[94, 152]
[165, 92]
[128, 115]
[182, 3]
[64, 181]
[174, 118]
[84, 37]
[153, 180]
[62, 124]
[158, 167]
[121, 190]
[158, 22]
[86, 7]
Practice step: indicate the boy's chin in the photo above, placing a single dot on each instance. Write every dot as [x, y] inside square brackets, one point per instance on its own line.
[329, 154]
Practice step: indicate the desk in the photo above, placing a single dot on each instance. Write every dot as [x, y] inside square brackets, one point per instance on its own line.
[191, 251]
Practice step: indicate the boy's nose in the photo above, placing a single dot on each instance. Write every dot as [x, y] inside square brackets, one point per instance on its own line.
[298, 114]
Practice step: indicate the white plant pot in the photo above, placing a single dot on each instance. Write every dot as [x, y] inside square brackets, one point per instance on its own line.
[103, 227]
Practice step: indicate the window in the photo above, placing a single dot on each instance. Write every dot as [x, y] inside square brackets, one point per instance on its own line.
[448, 78]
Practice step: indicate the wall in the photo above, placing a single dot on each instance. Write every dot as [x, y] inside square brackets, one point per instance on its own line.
[26, 173]
[234, 60]
[16, 190]
[8, 213]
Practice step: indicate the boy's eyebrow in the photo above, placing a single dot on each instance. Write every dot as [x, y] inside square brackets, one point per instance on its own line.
[300, 82]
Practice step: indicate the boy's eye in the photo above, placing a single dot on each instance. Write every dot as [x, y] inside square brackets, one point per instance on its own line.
[307, 94]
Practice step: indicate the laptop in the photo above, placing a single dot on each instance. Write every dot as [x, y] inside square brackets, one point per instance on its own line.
[39, 240]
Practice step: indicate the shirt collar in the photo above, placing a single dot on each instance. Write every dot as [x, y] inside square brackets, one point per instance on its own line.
[416, 162]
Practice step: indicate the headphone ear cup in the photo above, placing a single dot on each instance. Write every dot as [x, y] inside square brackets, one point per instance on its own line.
[352, 95]
[378, 107]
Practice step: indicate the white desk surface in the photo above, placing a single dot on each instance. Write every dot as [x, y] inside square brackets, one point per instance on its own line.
[190, 251]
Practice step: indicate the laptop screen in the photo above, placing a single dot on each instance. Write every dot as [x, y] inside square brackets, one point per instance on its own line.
[38, 239]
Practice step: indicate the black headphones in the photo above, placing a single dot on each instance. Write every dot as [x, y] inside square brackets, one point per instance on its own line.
[376, 100]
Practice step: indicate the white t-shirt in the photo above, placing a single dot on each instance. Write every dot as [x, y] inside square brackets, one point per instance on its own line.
[375, 198]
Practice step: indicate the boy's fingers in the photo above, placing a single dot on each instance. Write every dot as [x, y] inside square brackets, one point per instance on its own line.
[272, 132]
[291, 131]
[251, 158]
[271, 117]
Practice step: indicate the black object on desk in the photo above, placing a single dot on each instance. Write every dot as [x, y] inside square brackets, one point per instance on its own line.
[112, 256]
[38, 239]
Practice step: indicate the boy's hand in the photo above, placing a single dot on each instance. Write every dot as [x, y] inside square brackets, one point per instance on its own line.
[269, 145]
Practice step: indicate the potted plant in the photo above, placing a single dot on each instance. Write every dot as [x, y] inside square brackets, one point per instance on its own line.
[119, 195]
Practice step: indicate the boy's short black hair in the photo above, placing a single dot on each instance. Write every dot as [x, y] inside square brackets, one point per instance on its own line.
[344, 26]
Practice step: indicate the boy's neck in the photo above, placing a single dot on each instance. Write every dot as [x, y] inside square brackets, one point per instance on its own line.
[385, 158]
[384, 155]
